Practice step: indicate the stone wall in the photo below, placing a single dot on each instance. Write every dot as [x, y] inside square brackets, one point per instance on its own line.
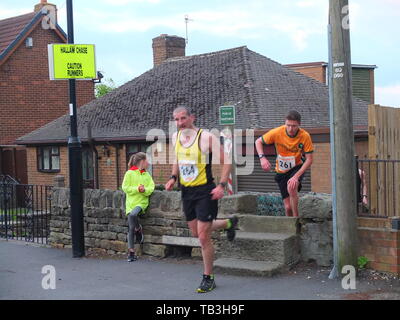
[315, 222]
[165, 228]
[106, 226]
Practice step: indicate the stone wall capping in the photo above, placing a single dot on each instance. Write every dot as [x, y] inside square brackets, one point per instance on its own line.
[166, 230]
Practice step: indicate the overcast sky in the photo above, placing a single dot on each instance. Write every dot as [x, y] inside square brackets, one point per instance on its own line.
[287, 31]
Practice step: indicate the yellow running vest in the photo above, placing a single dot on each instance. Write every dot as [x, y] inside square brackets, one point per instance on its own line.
[192, 162]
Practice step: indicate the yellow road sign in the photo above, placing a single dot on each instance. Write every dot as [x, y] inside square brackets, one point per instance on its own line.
[72, 61]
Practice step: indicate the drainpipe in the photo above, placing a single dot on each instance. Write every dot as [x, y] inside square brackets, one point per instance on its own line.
[96, 155]
[117, 163]
[96, 167]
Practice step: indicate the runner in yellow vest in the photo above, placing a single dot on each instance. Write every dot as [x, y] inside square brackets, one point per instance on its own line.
[292, 143]
[193, 150]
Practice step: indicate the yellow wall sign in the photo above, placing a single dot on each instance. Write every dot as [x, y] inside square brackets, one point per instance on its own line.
[72, 61]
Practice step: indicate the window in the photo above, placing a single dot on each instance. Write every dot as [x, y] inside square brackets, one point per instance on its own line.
[48, 159]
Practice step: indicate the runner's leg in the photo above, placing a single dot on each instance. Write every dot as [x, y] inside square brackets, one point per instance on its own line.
[219, 224]
[207, 247]
[193, 227]
[294, 197]
[294, 202]
[288, 208]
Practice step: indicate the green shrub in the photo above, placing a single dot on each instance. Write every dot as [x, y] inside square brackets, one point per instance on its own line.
[270, 205]
[362, 261]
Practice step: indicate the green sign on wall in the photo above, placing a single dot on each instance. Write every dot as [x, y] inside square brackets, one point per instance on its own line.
[72, 61]
[227, 115]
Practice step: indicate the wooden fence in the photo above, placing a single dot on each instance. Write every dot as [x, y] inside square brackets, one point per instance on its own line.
[384, 144]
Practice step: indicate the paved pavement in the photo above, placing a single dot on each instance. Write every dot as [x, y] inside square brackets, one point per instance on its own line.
[159, 279]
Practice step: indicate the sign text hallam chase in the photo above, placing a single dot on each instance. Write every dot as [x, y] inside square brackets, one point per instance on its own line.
[72, 61]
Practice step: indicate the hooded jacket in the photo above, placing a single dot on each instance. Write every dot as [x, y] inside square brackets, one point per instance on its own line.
[132, 180]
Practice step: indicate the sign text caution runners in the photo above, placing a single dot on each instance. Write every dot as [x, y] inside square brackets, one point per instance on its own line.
[72, 61]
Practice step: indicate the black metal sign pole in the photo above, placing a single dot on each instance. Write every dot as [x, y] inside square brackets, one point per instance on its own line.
[75, 160]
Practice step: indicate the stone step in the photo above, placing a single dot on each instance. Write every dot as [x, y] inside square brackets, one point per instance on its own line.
[262, 246]
[248, 267]
[253, 223]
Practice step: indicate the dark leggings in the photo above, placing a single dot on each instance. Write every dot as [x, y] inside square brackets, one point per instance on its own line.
[133, 222]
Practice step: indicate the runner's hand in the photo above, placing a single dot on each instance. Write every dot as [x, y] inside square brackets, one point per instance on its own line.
[265, 164]
[293, 184]
[217, 193]
[170, 184]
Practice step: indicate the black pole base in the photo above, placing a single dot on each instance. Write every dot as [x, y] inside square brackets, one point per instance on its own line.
[76, 197]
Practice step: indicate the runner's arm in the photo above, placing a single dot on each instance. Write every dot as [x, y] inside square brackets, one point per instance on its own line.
[307, 164]
[218, 191]
[210, 143]
[175, 170]
[265, 164]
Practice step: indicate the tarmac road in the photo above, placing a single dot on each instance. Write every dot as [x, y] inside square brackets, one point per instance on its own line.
[157, 279]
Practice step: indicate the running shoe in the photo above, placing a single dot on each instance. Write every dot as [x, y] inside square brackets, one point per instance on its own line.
[139, 235]
[132, 257]
[231, 232]
[207, 284]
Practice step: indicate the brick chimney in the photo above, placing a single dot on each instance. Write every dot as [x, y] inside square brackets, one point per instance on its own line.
[44, 3]
[165, 47]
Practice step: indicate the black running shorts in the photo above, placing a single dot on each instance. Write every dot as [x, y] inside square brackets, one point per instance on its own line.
[283, 178]
[197, 203]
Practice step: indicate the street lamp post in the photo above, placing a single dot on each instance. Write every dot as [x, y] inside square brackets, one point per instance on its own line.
[75, 160]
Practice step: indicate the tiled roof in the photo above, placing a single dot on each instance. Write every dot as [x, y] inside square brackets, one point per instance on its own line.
[262, 90]
[10, 29]
[13, 30]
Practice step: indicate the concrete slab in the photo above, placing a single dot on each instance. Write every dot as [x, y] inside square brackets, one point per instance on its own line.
[247, 267]
[253, 223]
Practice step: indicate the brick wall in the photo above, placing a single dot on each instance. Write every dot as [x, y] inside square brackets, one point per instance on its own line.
[46, 178]
[160, 162]
[166, 46]
[321, 167]
[29, 99]
[380, 244]
[106, 167]
[315, 72]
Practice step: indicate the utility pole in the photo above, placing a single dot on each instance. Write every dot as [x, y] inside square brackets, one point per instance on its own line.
[342, 138]
[75, 160]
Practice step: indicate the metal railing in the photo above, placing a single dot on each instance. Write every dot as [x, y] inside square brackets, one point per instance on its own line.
[379, 188]
[25, 212]
[5, 178]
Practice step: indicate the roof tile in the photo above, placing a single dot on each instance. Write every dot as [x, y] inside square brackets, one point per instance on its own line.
[262, 90]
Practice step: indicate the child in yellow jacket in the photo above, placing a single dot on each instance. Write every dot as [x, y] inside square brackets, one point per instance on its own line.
[138, 186]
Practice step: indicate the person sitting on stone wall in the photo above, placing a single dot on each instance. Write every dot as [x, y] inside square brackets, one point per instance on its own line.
[138, 186]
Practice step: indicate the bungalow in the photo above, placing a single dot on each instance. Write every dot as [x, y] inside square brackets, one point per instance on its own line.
[120, 123]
